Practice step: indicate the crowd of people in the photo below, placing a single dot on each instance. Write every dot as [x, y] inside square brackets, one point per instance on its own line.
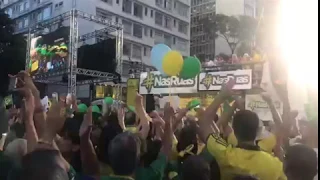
[62, 143]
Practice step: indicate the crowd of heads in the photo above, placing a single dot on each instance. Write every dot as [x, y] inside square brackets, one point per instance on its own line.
[117, 144]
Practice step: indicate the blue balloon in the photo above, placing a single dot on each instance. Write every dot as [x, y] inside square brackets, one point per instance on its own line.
[157, 53]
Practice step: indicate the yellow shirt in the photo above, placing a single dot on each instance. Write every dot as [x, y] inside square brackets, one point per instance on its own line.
[237, 161]
[267, 144]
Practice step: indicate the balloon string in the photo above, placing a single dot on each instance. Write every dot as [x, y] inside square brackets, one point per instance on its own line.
[170, 97]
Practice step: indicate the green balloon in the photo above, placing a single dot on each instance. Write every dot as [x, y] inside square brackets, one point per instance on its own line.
[132, 108]
[43, 51]
[82, 108]
[193, 103]
[96, 109]
[191, 68]
[108, 100]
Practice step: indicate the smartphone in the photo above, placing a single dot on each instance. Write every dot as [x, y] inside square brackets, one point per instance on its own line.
[12, 84]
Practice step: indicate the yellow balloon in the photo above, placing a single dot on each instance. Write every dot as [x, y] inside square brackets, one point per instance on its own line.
[257, 57]
[172, 63]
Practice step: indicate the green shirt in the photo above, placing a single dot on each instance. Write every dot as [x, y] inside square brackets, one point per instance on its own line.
[155, 171]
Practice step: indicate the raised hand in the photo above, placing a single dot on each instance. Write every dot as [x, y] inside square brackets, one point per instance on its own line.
[56, 117]
[138, 99]
[28, 101]
[86, 125]
[227, 88]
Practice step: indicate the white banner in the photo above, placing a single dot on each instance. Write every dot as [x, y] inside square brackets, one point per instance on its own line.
[156, 83]
[213, 80]
[256, 104]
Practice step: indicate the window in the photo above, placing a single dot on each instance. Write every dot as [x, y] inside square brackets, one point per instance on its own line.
[144, 51]
[158, 18]
[137, 30]
[39, 16]
[60, 3]
[126, 49]
[117, 1]
[127, 6]
[117, 19]
[20, 24]
[159, 3]
[167, 22]
[183, 10]
[151, 13]
[103, 14]
[5, 2]
[173, 40]
[26, 5]
[107, 1]
[146, 11]
[183, 27]
[9, 12]
[19, 8]
[136, 51]
[145, 31]
[137, 10]
[26, 22]
[167, 40]
[174, 5]
[174, 23]
[46, 13]
[127, 27]
[167, 4]
[151, 33]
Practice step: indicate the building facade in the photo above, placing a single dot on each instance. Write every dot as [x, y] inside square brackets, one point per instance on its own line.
[204, 45]
[145, 22]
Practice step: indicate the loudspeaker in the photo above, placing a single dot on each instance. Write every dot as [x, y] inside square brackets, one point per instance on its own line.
[150, 103]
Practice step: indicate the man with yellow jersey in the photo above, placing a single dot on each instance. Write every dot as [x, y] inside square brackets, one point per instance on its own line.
[246, 158]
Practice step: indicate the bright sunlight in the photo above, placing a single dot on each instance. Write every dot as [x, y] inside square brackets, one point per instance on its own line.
[298, 38]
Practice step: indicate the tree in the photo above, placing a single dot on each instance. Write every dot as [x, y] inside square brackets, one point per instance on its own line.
[234, 30]
[12, 51]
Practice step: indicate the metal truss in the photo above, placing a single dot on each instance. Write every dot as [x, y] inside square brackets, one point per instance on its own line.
[97, 33]
[50, 74]
[94, 73]
[51, 82]
[94, 81]
[74, 40]
[52, 21]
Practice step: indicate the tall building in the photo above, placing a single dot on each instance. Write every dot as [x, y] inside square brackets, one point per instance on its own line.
[203, 44]
[145, 22]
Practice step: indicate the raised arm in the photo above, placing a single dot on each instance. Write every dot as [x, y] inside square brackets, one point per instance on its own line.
[90, 163]
[168, 133]
[206, 124]
[143, 116]
[28, 111]
[275, 114]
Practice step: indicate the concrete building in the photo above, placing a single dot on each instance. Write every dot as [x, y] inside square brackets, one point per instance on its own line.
[145, 22]
[201, 44]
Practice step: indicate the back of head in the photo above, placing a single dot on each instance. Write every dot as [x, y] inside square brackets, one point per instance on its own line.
[245, 125]
[124, 153]
[16, 150]
[107, 134]
[195, 167]
[43, 164]
[301, 162]
[187, 141]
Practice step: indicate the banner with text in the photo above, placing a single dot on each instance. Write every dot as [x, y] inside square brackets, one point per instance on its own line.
[210, 81]
[256, 104]
[156, 83]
